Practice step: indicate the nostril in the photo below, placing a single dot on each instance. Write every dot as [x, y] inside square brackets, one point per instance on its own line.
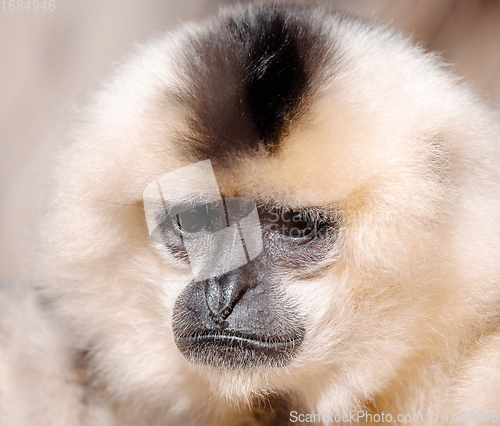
[221, 295]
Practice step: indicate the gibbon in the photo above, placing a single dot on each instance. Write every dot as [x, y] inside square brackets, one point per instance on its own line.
[281, 215]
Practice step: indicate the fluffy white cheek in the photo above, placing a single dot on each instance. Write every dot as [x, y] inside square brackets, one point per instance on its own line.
[327, 309]
[354, 340]
[134, 328]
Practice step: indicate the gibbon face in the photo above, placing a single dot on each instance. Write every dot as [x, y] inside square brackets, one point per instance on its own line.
[345, 139]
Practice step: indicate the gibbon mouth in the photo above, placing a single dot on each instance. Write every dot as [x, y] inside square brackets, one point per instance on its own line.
[236, 350]
[250, 331]
[241, 341]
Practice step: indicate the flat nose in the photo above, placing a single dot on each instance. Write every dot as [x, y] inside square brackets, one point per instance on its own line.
[223, 293]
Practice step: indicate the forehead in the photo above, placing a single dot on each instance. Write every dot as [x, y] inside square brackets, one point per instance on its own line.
[320, 161]
[324, 159]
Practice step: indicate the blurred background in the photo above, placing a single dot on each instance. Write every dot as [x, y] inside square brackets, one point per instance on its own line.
[48, 59]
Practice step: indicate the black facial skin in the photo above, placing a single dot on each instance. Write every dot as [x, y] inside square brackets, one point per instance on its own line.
[242, 319]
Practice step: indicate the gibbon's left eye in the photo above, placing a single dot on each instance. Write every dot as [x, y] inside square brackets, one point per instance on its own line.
[293, 224]
[194, 220]
[203, 218]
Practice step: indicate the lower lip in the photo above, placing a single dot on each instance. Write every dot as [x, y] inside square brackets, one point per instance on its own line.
[239, 342]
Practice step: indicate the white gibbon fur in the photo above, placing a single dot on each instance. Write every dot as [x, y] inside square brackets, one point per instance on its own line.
[401, 313]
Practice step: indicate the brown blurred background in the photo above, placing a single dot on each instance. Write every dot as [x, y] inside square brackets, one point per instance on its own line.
[49, 59]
